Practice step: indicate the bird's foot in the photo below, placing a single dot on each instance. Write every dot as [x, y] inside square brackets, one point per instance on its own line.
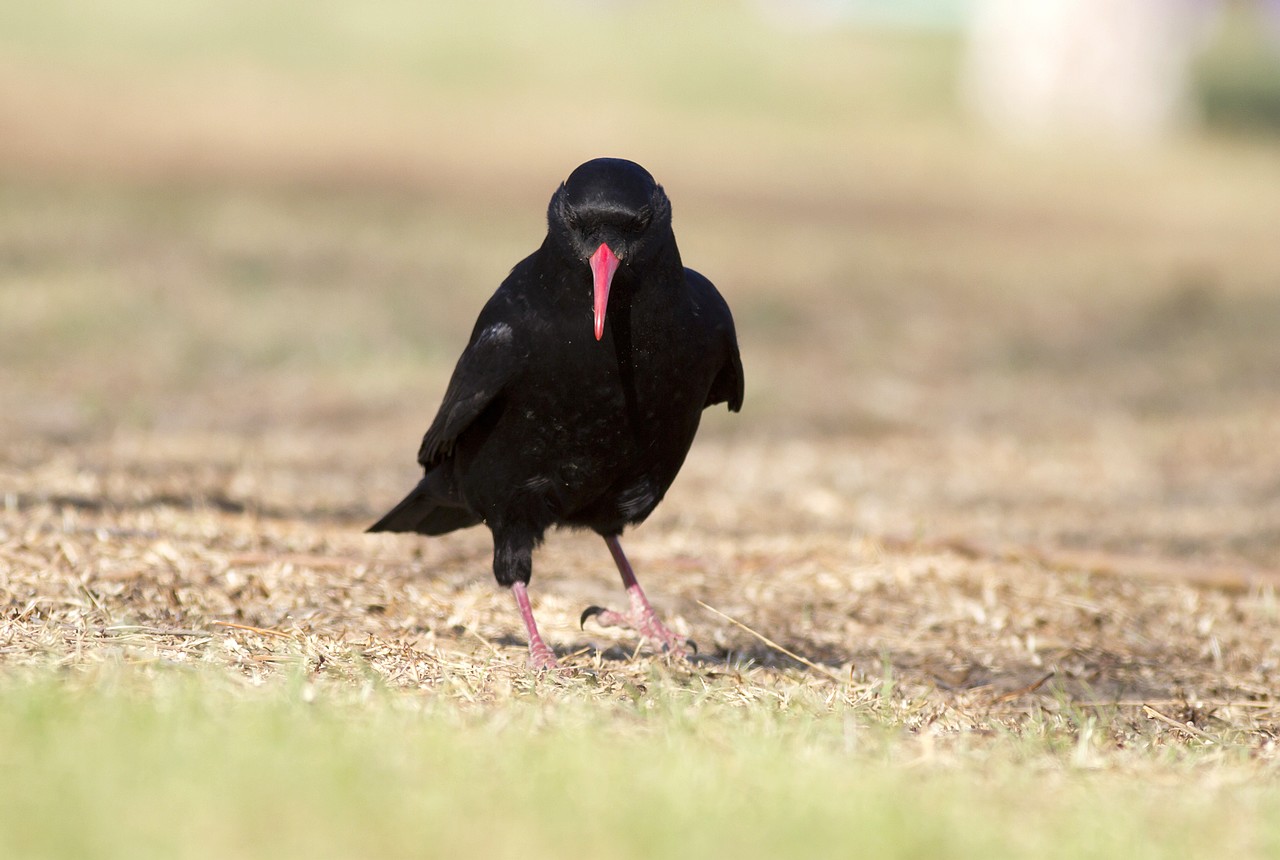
[644, 621]
[541, 658]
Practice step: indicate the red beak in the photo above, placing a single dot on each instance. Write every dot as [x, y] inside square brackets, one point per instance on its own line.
[603, 264]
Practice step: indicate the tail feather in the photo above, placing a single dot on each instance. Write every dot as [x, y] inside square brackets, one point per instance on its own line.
[426, 510]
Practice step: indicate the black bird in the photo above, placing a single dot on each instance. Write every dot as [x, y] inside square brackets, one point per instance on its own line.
[549, 421]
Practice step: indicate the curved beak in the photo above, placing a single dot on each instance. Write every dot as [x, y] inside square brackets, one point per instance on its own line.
[603, 264]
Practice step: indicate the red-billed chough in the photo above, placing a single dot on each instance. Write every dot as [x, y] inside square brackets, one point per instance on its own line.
[552, 421]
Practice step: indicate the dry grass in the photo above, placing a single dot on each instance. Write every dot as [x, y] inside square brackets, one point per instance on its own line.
[110, 565]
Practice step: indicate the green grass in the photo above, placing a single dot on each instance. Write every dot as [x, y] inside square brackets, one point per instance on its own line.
[184, 764]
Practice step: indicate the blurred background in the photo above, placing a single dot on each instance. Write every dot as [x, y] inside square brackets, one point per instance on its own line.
[1002, 270]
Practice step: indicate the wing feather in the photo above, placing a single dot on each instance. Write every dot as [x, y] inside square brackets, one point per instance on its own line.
[727, 386]
[486, 367]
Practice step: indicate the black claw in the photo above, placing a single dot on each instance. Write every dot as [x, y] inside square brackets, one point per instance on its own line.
[693, 646]
[589, 612]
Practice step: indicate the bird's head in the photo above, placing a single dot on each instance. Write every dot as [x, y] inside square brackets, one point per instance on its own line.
[609, 213]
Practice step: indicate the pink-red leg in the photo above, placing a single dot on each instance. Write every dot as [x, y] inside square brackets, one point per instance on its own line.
[540, 656]
[641, 616]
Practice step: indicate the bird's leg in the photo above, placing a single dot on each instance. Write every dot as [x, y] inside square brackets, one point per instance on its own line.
[512, 567]
[540, 656]
[641, 618]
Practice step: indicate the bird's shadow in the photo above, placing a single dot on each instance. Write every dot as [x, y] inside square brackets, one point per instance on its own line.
[731, 659]
[1078, 677]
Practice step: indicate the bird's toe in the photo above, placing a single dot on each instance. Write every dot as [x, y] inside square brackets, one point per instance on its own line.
[674, 646]
[604, 617]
